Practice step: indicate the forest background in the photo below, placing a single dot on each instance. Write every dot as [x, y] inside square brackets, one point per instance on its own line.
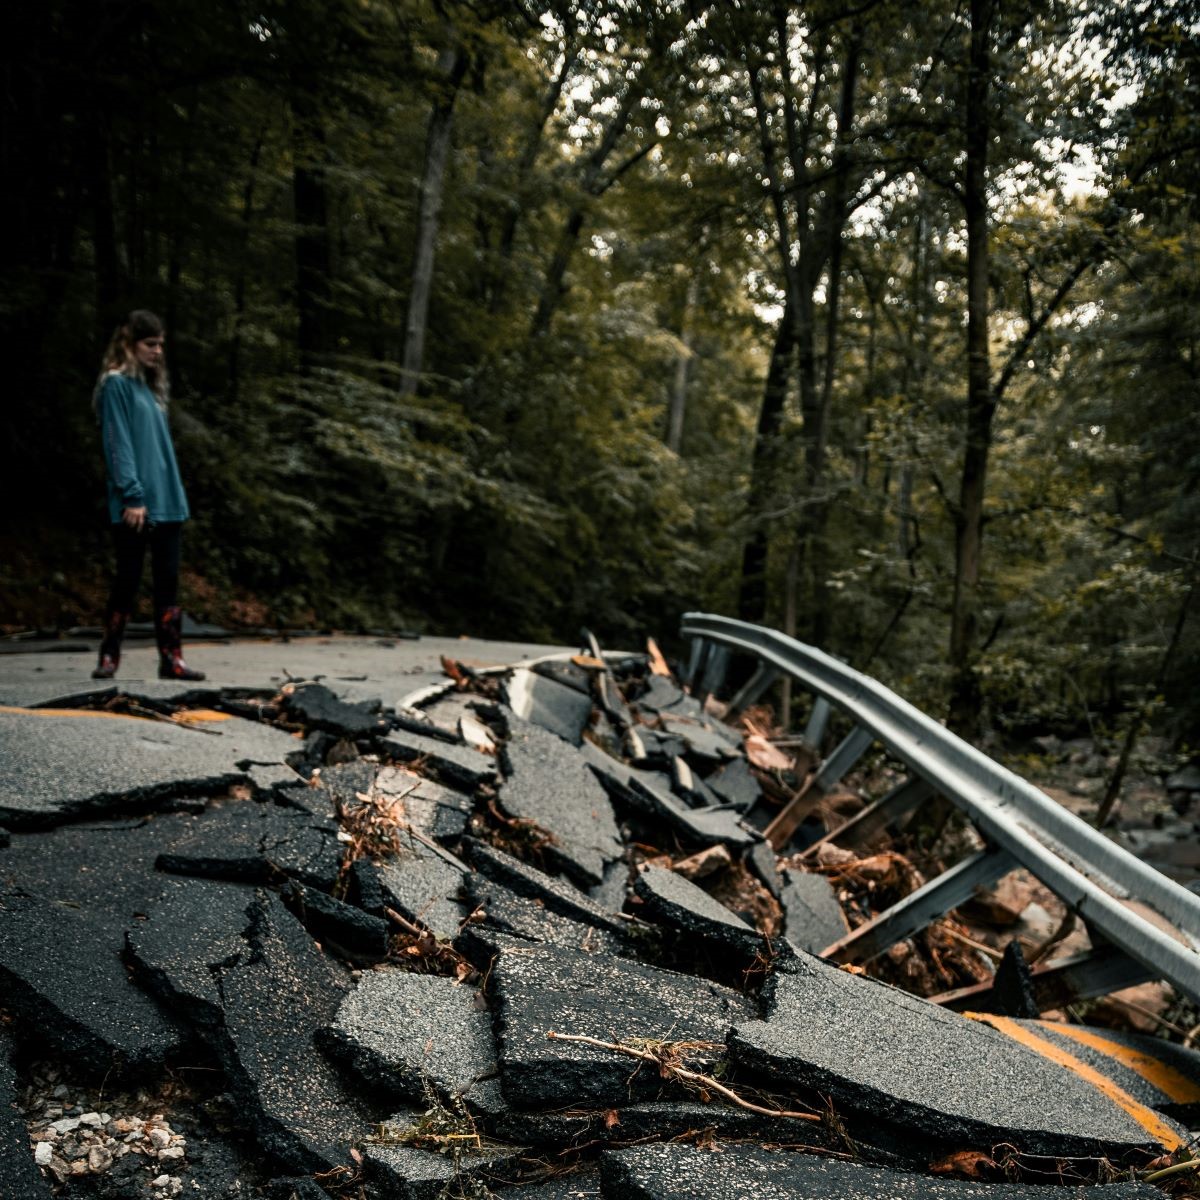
[873, 322]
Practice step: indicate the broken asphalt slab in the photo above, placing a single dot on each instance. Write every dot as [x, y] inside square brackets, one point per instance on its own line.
[670, 1172]
[315, 706]
[557, 707]
[671, 900]
[248, 841]
[427, 807]
[60, 768]
[422, 883]
[880, 1053]
[20, 1178]
[459, 766]
[402, 1033]
[63, 979]
[546, 989]
[497, 909]
[557, 895]
[304, 1114]
[547, 782]
[812, 916]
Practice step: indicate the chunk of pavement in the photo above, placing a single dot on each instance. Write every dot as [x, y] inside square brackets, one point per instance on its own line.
[547, 781]
[404, 1171]
[422, 884]
[650, 796]
[613, 890]
[20, 1178]
[546, 989]
[762, 860]
[874, 1049]
[317, 707]
[252, 842]
[353, 933]
[706, 741]
[662, 694]
[428, 807]
[812, 916]
[522, 917]
[1163, 1075]
[558, 895]
[196, 926]
[61, 768]
[552, 706]
[1013, 992]
[735, 784]
[457, 765]
[298, 1108]
[653, 749]
[61, 976]
[399, 1031]
[659, 1172]
[670, 899]
[566, 673]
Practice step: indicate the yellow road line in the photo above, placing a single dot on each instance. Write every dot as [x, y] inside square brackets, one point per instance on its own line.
[1173, 1083]
[1153, 1123]
[194, 716]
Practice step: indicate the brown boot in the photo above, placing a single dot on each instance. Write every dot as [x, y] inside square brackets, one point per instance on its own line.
[168, 628]
[110, 645]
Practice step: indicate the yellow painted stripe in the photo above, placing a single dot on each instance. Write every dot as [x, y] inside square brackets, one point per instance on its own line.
[199, 716]
[70, 712]
[1173, 1083]
[193, 716]
[1153, 1123]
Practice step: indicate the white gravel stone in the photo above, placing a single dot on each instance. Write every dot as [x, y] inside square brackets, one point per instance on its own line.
[66, 1125]
[161, 1181]
[92, 1119]
[159, 1138]
[42, 1154]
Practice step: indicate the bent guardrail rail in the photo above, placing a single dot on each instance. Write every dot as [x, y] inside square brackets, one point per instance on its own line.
[1150, 918]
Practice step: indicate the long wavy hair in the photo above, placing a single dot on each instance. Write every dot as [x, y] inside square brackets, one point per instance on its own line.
[120, 358]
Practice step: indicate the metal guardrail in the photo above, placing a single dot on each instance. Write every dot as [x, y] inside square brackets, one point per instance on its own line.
[1151, 918]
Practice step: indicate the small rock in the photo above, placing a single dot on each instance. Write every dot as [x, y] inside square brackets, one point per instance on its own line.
[159, 1138]
[60, 1091]
[91, 1119]
[65, 1125]
[171, 1152]
[160, 1181]
[99, 1159]
[42, 1154]
[78, 1167]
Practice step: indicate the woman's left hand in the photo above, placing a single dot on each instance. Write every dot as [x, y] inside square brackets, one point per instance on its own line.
[135, 518]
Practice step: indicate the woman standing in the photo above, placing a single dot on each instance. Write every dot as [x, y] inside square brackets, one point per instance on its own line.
[146, 501]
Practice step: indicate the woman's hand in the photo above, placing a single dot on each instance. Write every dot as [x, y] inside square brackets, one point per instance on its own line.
[135, 518]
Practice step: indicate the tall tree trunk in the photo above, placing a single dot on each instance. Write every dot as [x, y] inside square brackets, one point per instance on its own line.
[965, 699]
[594, 183]
[683, 367]
[752, 594]
[451, 69]
[104, 234]
[525, 164]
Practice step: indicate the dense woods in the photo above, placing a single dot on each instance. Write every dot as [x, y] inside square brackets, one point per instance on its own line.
[874, 323]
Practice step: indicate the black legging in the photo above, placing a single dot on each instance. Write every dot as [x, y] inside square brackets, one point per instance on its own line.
[130, 545]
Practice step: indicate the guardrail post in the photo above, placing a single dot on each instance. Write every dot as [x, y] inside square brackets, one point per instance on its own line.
[818, 722]
[715, 669]
[927, 903]
[764, 675]
[847, 752]
[1059, 983]
[699, 652]
[875, 818]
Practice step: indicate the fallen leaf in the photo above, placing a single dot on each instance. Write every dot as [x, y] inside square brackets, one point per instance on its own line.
[765, 756]
[974, 1164]
[658, 664]
[611, 1118]
[356, 1155]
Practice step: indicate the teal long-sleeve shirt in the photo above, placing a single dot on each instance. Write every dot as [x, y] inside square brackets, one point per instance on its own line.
[142, 472]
